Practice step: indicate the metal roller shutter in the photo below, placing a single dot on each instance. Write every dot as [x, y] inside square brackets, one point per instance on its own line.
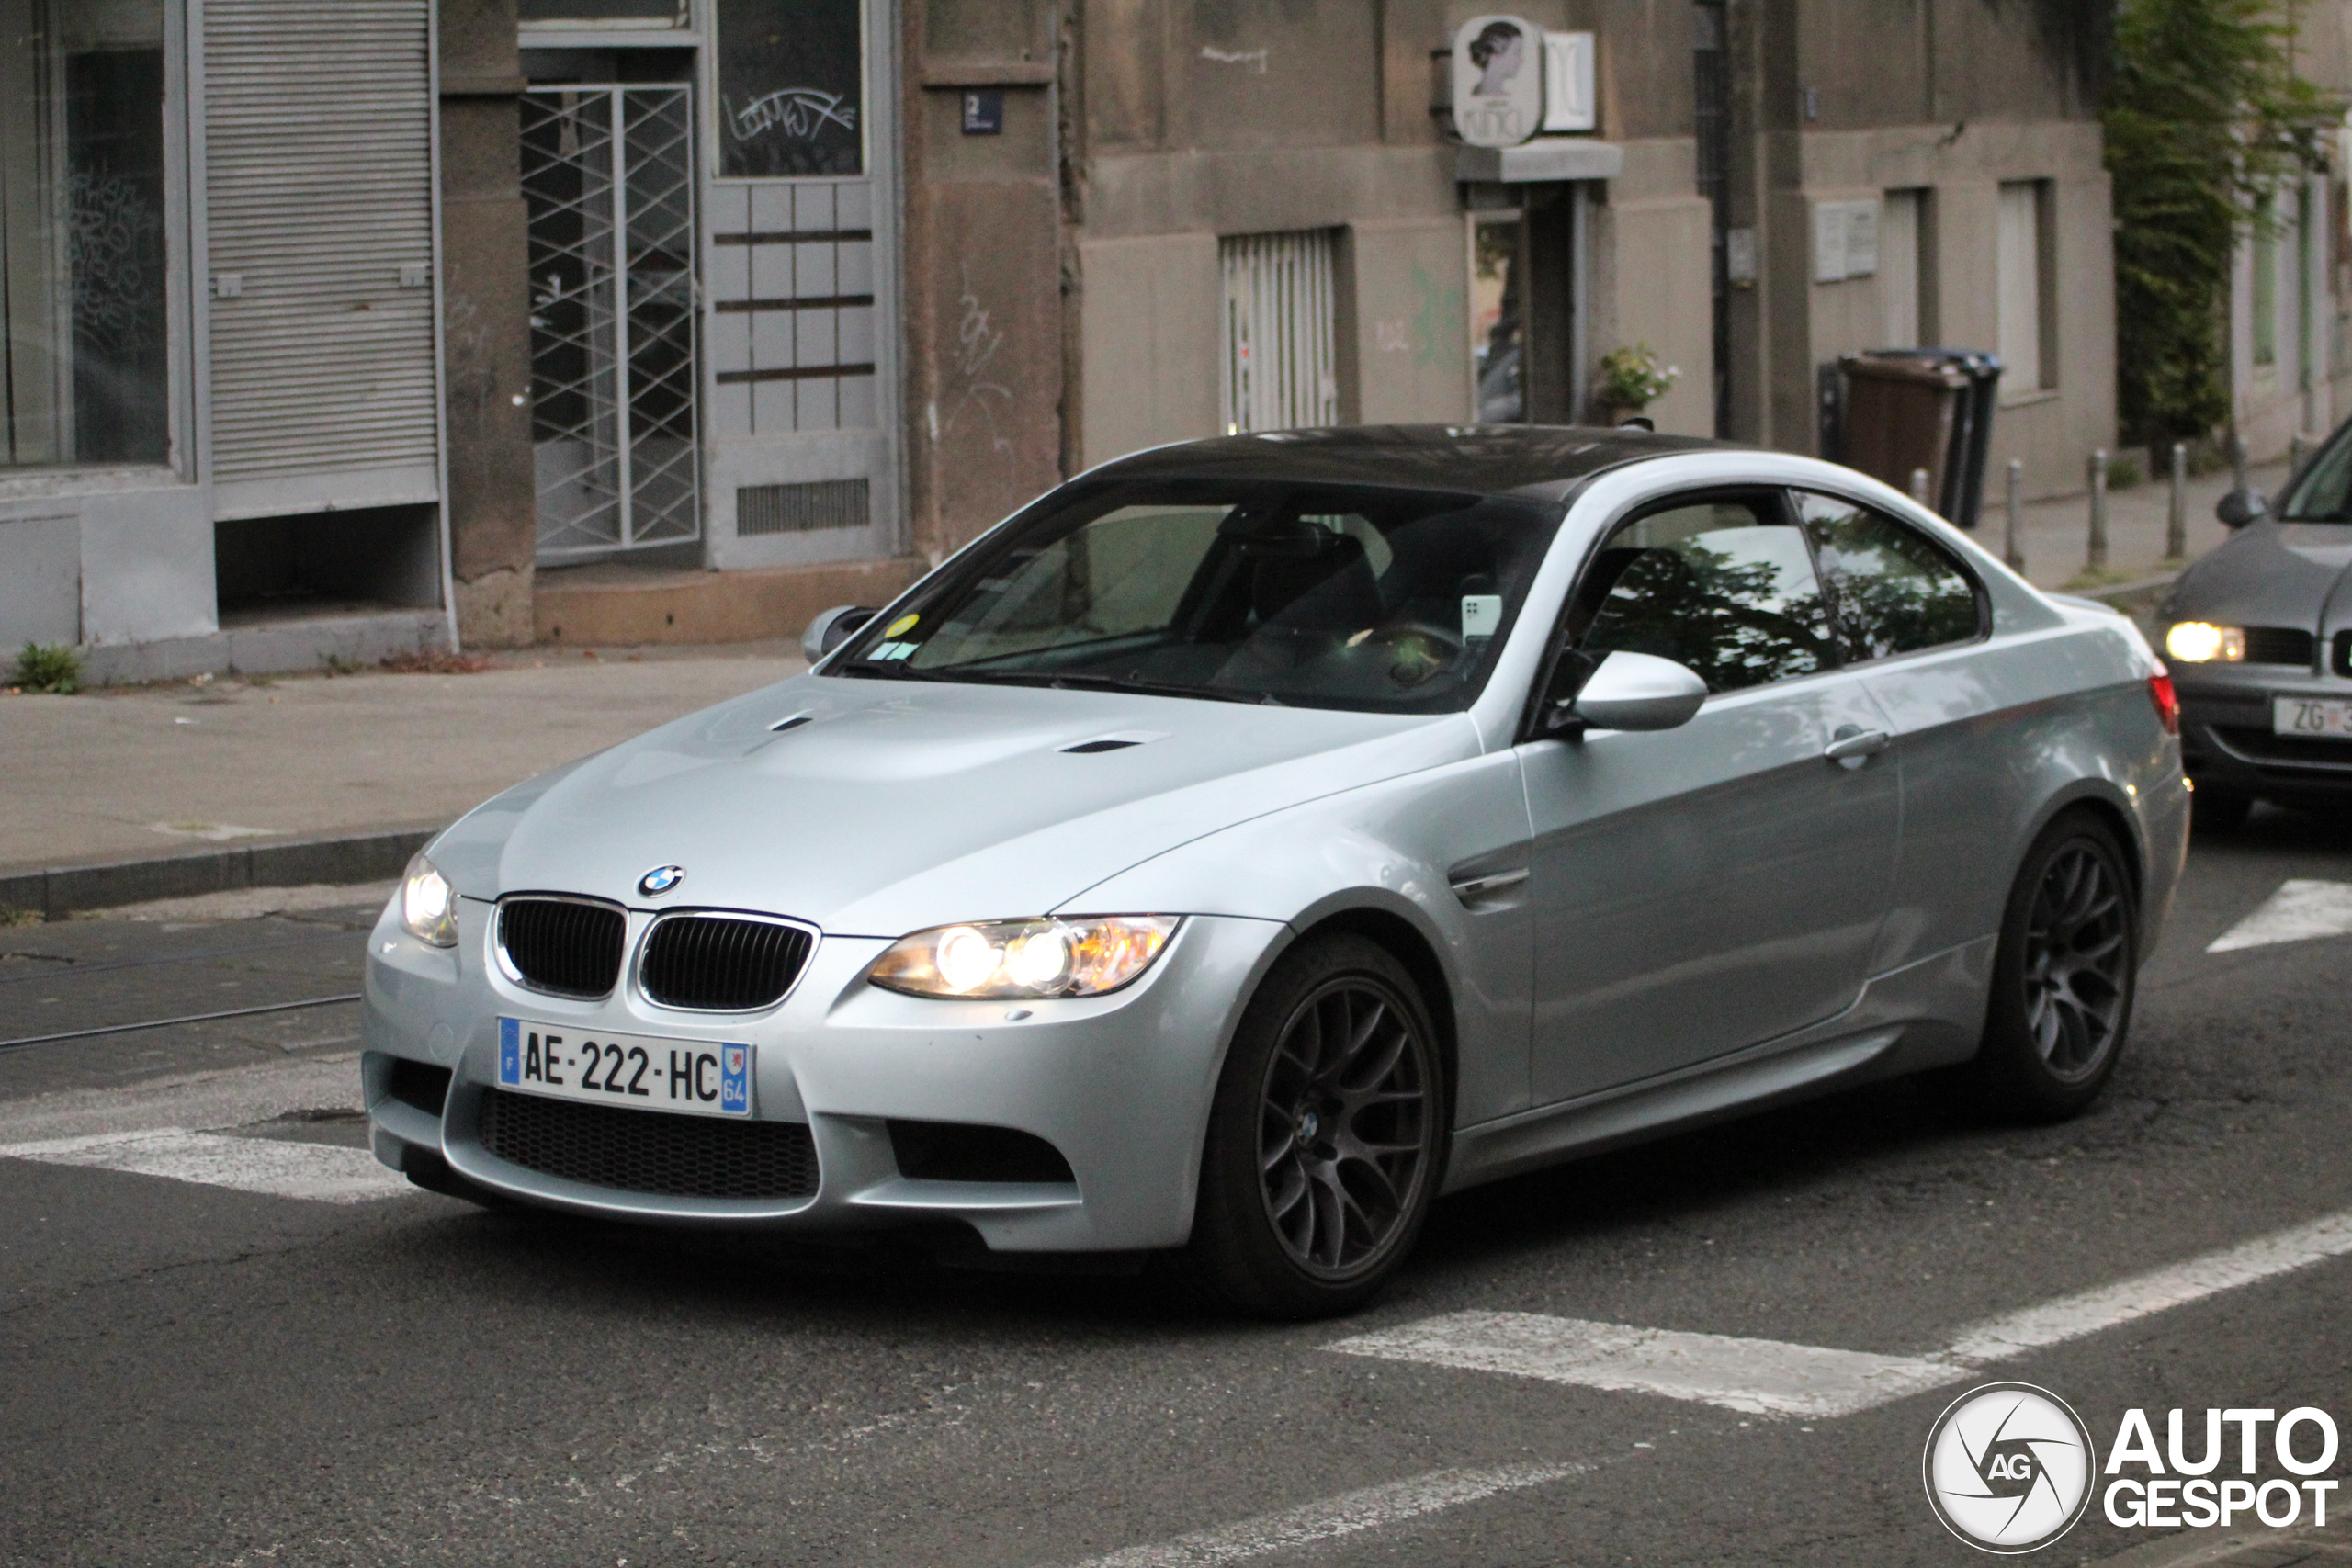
[318, 162]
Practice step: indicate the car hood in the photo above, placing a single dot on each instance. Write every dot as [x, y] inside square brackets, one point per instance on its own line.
[891, 805]
[2270, 574]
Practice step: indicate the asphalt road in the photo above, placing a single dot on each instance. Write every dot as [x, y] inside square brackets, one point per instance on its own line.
[191, 1373]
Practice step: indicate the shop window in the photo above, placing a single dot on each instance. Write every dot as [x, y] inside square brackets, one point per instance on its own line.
[83, 376]
[791, 88]
[1281, 365]
[2027, 288]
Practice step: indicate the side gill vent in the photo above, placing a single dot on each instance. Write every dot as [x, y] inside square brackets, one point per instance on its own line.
[795, 722]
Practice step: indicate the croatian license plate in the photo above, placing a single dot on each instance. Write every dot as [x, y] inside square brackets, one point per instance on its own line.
[2329, 717]
[694, 1075]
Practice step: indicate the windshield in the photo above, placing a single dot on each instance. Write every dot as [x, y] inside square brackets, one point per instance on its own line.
[2324, 494]
[1377, 599]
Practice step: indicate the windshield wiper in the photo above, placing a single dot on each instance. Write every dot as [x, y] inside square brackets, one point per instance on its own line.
[1087, 680]
[1162, 688]
[893, 671]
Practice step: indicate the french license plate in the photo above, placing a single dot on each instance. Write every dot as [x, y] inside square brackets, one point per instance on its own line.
[2311, 715]
[694, 1075]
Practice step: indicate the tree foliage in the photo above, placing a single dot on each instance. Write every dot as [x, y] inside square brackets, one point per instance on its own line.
[2204, 114]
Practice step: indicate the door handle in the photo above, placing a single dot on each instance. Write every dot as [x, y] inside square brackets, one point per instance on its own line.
[1851, 744]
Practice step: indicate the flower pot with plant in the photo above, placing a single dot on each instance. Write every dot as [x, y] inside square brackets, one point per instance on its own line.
[1631, 380]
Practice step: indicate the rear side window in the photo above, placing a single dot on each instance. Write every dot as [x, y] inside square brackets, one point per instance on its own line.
[1894, 590]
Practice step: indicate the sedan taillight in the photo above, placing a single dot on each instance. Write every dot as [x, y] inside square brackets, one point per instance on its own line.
[2167, 701]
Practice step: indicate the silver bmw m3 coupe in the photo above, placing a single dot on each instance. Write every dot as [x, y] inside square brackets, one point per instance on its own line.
[1254, 839]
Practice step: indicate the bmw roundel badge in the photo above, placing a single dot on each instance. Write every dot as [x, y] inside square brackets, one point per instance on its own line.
[660, 880]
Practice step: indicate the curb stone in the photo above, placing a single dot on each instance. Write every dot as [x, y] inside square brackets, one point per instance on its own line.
[56, 892]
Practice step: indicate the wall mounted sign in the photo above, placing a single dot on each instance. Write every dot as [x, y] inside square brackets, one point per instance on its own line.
[984, 111]
[1499, 66]
[1568, 103]
[1844, 240]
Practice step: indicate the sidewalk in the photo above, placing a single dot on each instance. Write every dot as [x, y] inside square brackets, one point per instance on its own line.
[2053, 535]
[310, 778]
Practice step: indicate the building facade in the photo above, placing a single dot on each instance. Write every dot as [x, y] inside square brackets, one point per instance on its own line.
[354, 325]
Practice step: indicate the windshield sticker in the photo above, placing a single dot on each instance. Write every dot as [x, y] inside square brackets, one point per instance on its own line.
[1481, 614]
[890, 650]
[900, 627]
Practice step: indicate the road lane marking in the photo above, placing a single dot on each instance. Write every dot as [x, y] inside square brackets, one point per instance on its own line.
[1351, 1513]
[1769, 1377]
[319, 1172]
[2108, 1306]
[2300, 910]
[1758, 1377]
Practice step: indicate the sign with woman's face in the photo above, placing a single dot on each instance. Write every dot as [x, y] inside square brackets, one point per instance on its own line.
[1498, 80]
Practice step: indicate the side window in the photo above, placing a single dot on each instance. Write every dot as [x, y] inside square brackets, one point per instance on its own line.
[1896, 591]
[1723, 586]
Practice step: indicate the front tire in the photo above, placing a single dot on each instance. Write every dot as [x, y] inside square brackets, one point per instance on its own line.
[1327, 1136]
[2064, 975]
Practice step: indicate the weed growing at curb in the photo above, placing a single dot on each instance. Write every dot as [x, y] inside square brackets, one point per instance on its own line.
[52, 668]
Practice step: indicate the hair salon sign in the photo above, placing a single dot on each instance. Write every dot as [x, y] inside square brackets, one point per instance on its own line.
[1512, 80]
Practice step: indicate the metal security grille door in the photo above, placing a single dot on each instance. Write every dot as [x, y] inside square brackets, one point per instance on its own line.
[1281, 370]
[608, 176]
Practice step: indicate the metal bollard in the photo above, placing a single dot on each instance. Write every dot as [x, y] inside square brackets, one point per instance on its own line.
[2299, 446]
[2176, 512]
[2237, 463]
[2010, 555]
[1919, 486]
[2096, 558]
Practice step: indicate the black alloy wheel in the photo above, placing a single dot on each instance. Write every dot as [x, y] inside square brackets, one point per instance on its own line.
[1325, 1142]
[2062, 977]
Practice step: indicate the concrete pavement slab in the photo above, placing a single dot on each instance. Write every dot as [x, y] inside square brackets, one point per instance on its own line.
[238, 766]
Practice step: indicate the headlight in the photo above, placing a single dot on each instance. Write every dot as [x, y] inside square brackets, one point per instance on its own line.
[2201, 642]
[1080, 957]
[428, 904]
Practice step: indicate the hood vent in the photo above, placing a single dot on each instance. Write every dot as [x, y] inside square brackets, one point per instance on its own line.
[1119, 742]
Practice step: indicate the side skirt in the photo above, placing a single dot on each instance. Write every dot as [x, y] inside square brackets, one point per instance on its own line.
[1927, 1014]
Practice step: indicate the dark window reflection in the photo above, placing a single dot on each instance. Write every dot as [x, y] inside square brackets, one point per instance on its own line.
[791, 88]
[1722, 587]
[85, 375]
[1894, 591]
[1499, 324]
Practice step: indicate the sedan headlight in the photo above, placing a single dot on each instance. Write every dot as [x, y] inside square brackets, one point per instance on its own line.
[1079, 957]
[2202, 642]
[428, 904]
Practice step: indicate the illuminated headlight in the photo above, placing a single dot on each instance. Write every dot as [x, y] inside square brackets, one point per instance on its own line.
[1079, 957]
[428, 904]
[2201, 642]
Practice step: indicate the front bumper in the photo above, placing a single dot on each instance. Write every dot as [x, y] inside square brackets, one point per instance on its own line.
[2227, 742]
[1120, 1084]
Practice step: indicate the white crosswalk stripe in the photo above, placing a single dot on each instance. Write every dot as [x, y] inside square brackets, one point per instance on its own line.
[1769, 1377]
[315, 1171]
[2300, 910]
[1760, 1377]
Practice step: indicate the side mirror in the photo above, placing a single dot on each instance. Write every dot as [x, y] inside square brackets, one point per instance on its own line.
[1632, 691]
[2241, 507]
[834, 627]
